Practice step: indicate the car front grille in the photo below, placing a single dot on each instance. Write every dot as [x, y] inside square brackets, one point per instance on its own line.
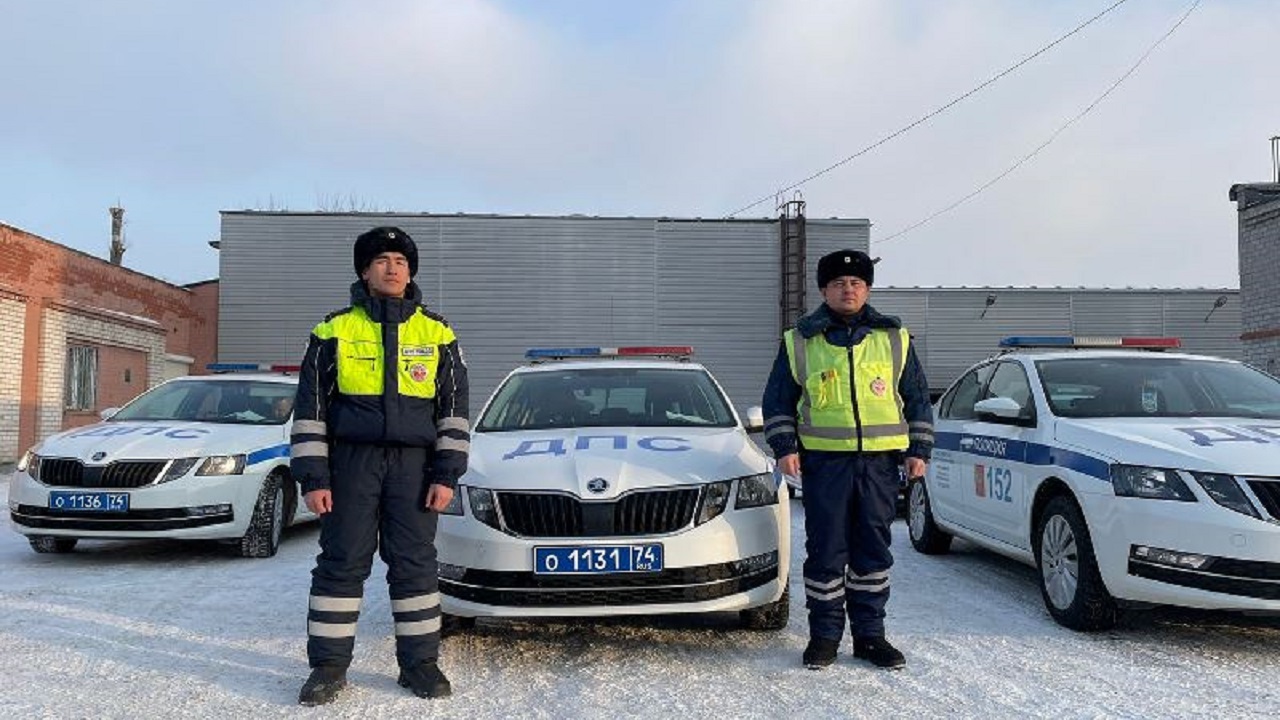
[647, 512]
[69, 472]
[1268, 491]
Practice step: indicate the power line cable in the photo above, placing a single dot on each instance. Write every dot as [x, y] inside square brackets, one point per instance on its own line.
[1025, 158]
[934, 113]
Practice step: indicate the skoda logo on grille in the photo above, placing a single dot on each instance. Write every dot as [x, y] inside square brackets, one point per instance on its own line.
[98, 456]
[597, 485]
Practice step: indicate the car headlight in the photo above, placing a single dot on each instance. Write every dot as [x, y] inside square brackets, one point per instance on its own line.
[1226, 492]
[714, 498]
[1148, 482]
[222, 465]
[484, 506]
[455, 503]
[30, 463]
[756, 491]
[177, 468]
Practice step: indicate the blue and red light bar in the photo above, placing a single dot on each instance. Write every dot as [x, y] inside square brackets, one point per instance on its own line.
[677, 351]
[251, 367]
[1089, 341]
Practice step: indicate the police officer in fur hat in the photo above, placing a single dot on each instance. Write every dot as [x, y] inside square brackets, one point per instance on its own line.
[380, 438]
[846, 404]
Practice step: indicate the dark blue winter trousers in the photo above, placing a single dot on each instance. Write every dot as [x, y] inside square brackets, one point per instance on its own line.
[379, 503]
[850, 501]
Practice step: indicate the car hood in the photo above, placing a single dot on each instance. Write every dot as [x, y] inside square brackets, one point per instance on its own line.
[626, 459]
[1237, 446]
[105, 442]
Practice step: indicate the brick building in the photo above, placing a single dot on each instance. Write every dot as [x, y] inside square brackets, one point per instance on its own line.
[1258, 209]
[83, 334]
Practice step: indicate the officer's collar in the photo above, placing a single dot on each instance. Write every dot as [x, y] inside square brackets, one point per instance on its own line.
[387, 309]
[819, 320]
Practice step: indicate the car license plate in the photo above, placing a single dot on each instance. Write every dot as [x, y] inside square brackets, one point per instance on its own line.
[89, 501]
[597, 559]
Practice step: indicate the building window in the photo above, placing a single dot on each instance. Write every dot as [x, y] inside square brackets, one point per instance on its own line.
[81, 390]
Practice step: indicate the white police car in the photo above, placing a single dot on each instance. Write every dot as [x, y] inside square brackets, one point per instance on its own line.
[615, 481]
[195, 457]
[1126, 476]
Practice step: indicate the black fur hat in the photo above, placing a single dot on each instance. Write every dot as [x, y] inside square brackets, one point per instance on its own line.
[846, 262]
[385, 239]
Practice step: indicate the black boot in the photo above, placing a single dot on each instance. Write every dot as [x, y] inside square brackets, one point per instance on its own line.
[425, 680]
[323, 685]
[877, 651]
[820, 653]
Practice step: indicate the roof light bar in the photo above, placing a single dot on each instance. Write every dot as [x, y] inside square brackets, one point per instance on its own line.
[228, 367]
[1088, 341]
[678, 351]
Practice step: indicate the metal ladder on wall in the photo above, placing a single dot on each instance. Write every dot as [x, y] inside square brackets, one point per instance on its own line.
[791, 306]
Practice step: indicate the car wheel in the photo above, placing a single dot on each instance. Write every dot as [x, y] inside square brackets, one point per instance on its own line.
[1069, 579]
[455, 624]
[51, 544]
[773, 616]
[926, 536]
[262, 539]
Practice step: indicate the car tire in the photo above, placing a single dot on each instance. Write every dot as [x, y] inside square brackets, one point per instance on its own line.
[926, 536]
[773, 616]
[262, 539]
[1069, 578]
[52, 544]
[451, 624]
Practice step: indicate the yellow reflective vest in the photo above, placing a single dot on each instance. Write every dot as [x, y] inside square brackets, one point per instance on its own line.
[849, 396]
[362, 359]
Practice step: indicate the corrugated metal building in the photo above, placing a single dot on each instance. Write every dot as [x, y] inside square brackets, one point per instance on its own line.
[507, 283]
[956, 327]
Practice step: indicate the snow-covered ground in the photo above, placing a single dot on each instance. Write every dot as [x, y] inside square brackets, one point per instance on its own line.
[167, 629]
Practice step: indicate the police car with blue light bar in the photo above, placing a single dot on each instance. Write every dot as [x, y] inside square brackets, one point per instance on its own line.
[199, 457]
[1127, 477]
[615, 481]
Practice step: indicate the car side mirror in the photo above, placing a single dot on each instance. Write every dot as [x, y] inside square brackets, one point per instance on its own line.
[755, 419]
[999, 409]
[107, 413]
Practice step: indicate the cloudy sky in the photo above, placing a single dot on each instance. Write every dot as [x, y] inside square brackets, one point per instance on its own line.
[177, 110]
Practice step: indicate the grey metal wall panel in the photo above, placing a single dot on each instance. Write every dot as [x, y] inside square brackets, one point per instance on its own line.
[1187, 316]
[717, 289]
[1117, 313]
[952, 333]
[960, 334]
[508, 283]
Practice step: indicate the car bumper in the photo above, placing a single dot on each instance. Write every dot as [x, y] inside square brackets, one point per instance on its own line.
[736, 561]
[209, 507]
[1133, 540]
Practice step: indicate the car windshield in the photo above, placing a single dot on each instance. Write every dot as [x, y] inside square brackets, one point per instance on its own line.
[606, 397]
[236, 402]
[1127, 386]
